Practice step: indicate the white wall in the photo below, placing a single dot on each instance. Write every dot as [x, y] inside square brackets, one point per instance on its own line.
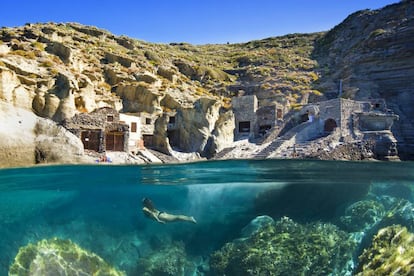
[134, 137]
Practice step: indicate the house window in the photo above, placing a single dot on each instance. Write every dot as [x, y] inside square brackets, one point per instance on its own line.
[147, 121]
[244, 127]
[172, 120]
[110, 118]
[279, 113]
[133, 127]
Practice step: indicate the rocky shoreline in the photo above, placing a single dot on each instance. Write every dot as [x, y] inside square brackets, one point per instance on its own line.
[195, 102]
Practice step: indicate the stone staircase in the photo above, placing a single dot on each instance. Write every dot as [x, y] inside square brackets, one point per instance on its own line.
[272, 147]
[275, 144]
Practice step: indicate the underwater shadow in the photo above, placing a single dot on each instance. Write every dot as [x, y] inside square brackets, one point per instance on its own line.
[305, 202]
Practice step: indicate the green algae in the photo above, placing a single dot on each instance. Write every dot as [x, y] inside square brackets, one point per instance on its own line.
[170, 260]
[391, 253]
[59, 257]
[362, 215]
[286, 248]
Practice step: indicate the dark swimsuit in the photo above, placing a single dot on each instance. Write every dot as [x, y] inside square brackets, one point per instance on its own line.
[158, 215]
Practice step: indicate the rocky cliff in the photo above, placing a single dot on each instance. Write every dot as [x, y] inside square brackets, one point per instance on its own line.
[372, 52]
[56, 70]
[59, 70]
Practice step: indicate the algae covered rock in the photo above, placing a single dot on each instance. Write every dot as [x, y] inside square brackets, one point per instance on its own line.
[59, 257]
[286, 248]
[362, 215]
[391, 253]
[170, 260]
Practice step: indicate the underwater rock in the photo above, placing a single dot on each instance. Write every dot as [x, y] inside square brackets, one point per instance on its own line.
[399, 211]
[362, 215]
[59, 257]
[287, 247]
[170, 260]
[256, 225]
[391, 253]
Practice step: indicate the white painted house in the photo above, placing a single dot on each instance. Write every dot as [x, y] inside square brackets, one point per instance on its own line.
[135, 135]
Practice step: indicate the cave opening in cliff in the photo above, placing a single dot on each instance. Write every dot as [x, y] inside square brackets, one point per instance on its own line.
[330, 125]
[174, 138]
[304, 117]
[244, 127]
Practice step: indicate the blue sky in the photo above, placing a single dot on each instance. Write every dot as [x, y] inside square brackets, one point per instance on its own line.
[192, 21]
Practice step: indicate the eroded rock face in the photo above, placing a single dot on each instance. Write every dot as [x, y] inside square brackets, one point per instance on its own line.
[197, 123]
[13, 91]
[27, 140]
[139, 98]
[59, 70]
[222, 135]
[201, 128]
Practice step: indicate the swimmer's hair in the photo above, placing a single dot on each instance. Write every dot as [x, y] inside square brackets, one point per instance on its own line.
[146, 202]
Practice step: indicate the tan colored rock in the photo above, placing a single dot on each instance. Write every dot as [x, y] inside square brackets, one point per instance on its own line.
[139, 97]
[147, 77]
[61, 50]
[85, 99]
[167, 73]
[26, 139]
[17, 137]
[197, 123]
[54, 144]
[12, 91]
[223, 134]
[114, 76]
[23, 66]
[4, 49]
[123, 60]
[161, 141]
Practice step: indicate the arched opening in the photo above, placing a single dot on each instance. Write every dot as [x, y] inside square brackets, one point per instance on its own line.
[330, 125]
[304, 117]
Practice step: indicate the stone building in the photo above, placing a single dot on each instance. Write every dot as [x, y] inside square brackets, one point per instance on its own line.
[349, 117]
[352, 121]
[267, 118]
[244, 109]
[253, 121]
[100, 130]
[133, 120]
[148, 128]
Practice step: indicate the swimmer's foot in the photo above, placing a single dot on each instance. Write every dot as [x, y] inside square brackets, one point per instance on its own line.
[192, 219]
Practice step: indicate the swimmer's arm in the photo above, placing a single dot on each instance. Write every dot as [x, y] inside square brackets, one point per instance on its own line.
[160, 221]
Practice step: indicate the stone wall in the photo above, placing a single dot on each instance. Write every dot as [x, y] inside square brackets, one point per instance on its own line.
[103, 120]
[244, 109]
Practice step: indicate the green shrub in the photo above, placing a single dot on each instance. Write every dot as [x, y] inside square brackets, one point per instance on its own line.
[47, 63]
[377, 32]
[23, 53]
[38, 45]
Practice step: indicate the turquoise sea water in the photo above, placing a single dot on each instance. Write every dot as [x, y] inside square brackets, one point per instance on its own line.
[99, 207]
